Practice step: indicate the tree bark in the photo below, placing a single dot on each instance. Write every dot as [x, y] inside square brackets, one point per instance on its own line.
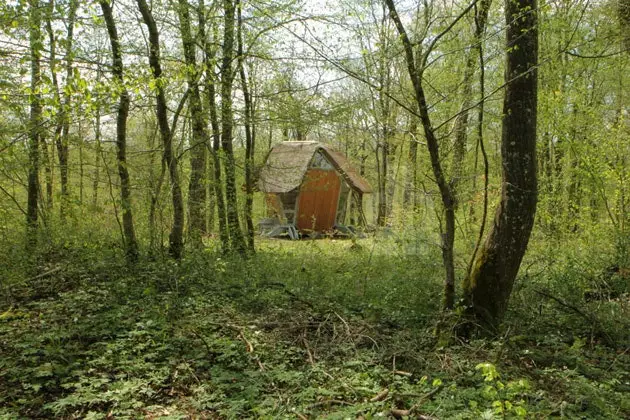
[217, 182]
[196, 187]
[487, 289]
[249, 136]
[48, 173]
[176, 242]
[35, 122]
[97, 150]
[63, 141]
[411, 175]
[237, 241]
[131, 244]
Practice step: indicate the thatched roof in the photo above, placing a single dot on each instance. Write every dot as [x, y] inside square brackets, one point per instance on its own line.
[288, 161]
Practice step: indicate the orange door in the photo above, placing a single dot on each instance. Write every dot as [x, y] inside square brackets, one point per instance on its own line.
[319, 195]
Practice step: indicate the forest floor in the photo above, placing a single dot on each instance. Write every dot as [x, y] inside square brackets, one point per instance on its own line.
[310, 329]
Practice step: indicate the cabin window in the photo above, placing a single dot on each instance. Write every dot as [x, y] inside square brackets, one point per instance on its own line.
[320, 161]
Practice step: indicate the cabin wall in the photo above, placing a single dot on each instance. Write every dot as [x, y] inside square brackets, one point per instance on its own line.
[318, 200]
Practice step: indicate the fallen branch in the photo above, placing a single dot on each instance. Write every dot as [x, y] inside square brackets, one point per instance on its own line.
[589, 317]
[249, 347]
[327, 402]
[380, 396]
[45, 274]
[311, 361]
[398, 413]
[403, 413]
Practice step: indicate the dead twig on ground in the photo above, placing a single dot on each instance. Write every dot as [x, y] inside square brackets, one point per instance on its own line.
[398, 413]
[45, 274]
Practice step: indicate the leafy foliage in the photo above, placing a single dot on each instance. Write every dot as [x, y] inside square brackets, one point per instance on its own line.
[314, 328]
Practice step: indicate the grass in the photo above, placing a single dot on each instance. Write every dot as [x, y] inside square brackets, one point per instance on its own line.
[309, 329]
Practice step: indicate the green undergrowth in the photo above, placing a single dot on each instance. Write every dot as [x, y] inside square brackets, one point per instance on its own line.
[313, 329]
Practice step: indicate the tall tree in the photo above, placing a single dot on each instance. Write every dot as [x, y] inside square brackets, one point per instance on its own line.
[237, 241]
[210, 53]
[176, 242]
[62, 132]
[196, 187]
[131, 244]
[62, 101]
[446, 192]
[35, 121]
[250, 134]
[461, 122]
[488, 287]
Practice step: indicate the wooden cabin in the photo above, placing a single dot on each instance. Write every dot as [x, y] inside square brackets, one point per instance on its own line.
[308, 186]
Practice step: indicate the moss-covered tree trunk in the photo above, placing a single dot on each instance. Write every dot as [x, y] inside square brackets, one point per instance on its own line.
[196, 186]
[35, 122]
[131, 244]
[176, 242]
[237, 241]
[250, 136]
[488, 287]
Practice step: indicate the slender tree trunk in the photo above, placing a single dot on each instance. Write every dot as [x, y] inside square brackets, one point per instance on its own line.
[56, 139]
[249, 137]
[446, 194]
[63, 143]
[382, 163]
[227, 76]
[461, 122]
[199, 140]
[176, 242]
[217, 182]
[81, 166]
[624, 20]
[488, 288]
[35, 121]
[97, 152]
[131, 244]
[155, 184]
[48, 173]
[411, 175]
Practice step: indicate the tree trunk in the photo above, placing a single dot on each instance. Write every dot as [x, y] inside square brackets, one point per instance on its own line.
[411, 175]
[446, 194]
[56, 139]
[35, 122]
[217, 183]
[487, 289]
[176, 242]
[461, 122]
[237, 241]
[63, 143]
[249, 137]
[48, 173]
[97, 151]
[624, 20]
[131, 244]
[196, 187]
